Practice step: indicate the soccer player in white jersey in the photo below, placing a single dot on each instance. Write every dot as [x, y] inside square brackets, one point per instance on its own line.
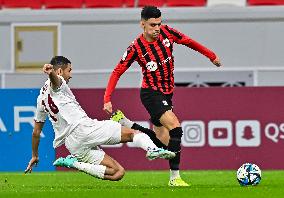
[81, 134]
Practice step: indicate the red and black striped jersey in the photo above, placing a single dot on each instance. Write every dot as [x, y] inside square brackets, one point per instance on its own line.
[155, 59]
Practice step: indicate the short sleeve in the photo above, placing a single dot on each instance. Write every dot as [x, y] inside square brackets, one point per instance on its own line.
[41, 114]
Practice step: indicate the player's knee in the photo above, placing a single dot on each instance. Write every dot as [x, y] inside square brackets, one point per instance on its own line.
[171, 123]
[119, 174]
[170, 126]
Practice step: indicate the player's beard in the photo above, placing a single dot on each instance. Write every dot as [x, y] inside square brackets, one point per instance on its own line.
[67, 80]
[155, 35]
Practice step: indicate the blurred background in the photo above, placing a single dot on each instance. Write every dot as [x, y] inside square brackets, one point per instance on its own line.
[234, 111]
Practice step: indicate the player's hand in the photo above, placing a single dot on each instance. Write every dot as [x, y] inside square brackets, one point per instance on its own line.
[217, 62]
[33, 162]
[47, 68]
[108, 107]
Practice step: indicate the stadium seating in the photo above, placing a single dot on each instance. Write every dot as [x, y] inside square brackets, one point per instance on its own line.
[265, 2]
[34, 4]
[53, 4]
[226, 3]
[103, 3]
[158, 3]
[179, 3]
[129, 3]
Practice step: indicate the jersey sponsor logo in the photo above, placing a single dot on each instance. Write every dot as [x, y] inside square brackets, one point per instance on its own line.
[152, 66]
[166, 42]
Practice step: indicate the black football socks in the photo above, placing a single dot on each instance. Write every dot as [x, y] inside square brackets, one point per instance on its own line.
[174, 145]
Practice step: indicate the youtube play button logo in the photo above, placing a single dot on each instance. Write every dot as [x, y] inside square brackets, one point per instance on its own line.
[220, 133]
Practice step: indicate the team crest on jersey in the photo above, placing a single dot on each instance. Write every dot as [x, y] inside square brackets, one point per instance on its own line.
[166, 42]
[152, 66]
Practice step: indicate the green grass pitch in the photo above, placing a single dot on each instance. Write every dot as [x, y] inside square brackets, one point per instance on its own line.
[137, 184]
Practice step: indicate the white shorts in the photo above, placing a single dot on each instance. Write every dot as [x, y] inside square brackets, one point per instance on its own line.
[84, 140]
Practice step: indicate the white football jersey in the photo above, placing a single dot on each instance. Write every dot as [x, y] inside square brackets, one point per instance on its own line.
[64, 112]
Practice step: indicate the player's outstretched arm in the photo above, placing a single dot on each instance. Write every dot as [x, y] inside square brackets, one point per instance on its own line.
[128, 57]
[108, 107]
[54, 79]
[35, 143]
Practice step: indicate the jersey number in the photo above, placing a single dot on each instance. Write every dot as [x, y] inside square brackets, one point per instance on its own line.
[53, 109]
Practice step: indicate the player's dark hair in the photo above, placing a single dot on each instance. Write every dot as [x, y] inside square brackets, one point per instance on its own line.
[59, 62]
[150, 12]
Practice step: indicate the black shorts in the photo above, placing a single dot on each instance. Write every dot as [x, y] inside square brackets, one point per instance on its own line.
[156, 103]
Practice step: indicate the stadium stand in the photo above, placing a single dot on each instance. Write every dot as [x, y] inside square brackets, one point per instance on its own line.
[226, 3]
[99, 4]
[53, 4]
[57, 4]
[129, 3]
[227, 32]
[158, 3]
[265, 2]
[33, 4]
[179, 3]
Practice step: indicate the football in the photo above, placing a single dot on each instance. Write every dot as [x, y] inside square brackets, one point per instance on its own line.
[249, 174]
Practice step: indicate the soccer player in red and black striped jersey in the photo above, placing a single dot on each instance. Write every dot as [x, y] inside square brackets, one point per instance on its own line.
[153, 51]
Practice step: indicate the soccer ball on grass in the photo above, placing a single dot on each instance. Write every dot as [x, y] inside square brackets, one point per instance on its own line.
[249, 174]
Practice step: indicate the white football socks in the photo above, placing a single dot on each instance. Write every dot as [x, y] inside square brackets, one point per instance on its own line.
[126, 122]
[91, 169]
[143, 141]
[174, 174]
